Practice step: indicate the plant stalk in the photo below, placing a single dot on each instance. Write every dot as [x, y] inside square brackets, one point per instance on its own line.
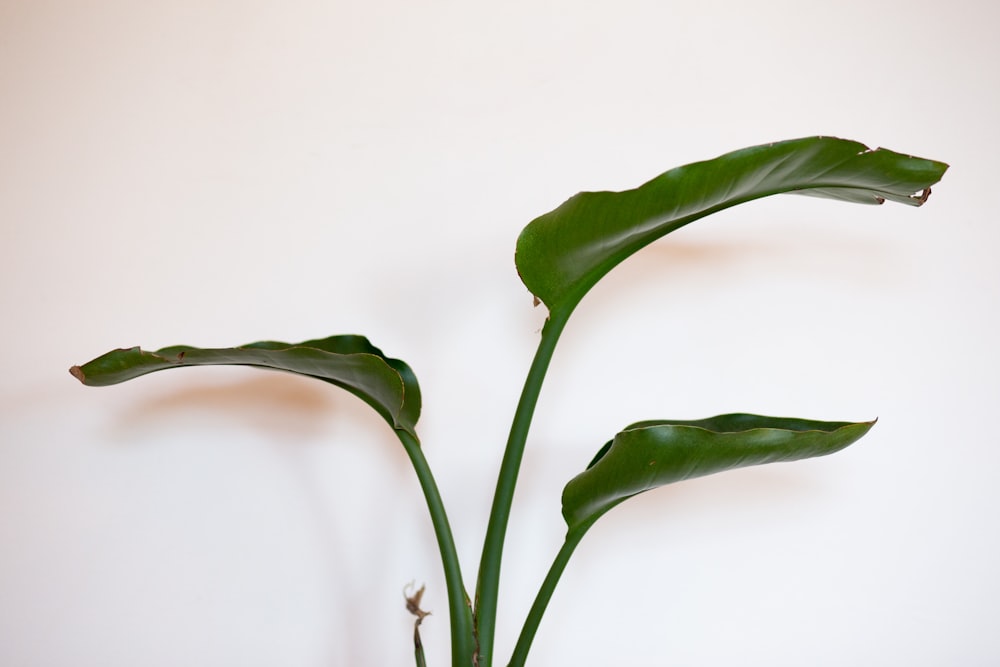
[463, 644]
[488, 584]
[548, 586]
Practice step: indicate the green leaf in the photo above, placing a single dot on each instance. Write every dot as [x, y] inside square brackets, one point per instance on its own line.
[562, 254]
[349, 362]
[651, 454]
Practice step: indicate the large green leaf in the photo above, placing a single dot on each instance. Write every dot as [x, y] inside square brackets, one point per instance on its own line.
[562, 254]
[349, 362]
[651, 454]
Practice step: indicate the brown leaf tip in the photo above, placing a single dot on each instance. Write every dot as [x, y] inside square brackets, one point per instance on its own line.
[77, 372]
[413, 602]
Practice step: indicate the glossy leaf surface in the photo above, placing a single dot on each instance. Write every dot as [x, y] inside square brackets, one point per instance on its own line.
[349, 362]
[651, 454]
[562, 254]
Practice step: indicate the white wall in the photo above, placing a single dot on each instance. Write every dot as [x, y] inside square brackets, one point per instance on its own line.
[213, 173]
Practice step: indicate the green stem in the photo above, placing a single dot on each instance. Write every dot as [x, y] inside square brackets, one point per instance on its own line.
[545, 594]
[418, 649]
[463, 645]
[488, 585]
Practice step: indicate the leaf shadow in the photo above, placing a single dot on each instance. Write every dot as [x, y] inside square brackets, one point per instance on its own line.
[756, 490]
[276, 405]
[801, 252]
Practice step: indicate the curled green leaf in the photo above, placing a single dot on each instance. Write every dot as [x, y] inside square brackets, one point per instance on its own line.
[650, 454]
[350, 362]
[562, 254]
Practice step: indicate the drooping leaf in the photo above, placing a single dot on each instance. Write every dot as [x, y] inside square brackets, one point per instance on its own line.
[349, 362]
[562, 254]
[650, 454]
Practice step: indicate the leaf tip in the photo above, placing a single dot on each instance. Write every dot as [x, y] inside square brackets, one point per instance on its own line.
[78, 373]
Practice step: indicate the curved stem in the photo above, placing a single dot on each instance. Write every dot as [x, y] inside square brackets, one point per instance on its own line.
[488, 584]
[463, 645]
[545, 594]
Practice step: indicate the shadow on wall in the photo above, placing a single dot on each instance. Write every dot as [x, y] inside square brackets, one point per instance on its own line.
[275, 405]
[807, 249]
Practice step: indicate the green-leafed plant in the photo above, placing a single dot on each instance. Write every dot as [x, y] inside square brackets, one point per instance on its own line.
[560, 256]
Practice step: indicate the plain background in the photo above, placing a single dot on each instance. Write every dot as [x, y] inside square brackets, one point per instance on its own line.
[215, 172]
